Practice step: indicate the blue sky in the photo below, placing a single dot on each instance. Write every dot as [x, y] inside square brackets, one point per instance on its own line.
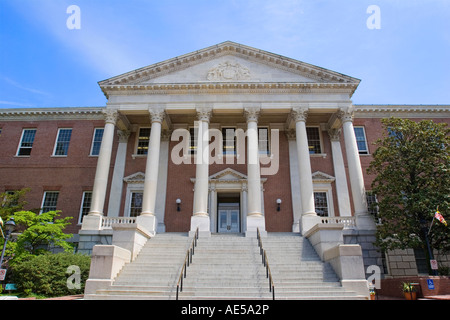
[45, 64]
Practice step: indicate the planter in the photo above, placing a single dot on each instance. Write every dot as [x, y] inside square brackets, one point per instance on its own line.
[410, 295]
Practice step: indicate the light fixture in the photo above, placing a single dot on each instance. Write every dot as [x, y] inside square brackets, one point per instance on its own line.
[10, 225]
[178, 201]
[278, 204]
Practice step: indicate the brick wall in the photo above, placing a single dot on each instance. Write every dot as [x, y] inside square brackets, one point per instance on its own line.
[41, 172]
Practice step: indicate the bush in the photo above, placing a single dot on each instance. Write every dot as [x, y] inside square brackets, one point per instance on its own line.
[49, 274]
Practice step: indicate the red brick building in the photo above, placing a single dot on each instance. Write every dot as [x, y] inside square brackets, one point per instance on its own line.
[312, 143]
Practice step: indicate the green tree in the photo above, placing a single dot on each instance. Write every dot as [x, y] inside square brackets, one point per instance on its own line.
[412, 178]
[41, 232]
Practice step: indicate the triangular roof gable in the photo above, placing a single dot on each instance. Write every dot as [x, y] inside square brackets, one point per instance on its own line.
[234, 58]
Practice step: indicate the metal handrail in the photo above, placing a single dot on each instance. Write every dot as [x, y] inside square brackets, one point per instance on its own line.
[265, 262]
[187, 261]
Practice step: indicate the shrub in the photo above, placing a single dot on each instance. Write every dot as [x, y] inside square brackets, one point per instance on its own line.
[48, 275]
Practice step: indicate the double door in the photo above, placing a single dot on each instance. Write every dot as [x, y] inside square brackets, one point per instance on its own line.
[228, 215]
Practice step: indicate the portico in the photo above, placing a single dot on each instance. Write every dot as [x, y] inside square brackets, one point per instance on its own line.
[228, 88]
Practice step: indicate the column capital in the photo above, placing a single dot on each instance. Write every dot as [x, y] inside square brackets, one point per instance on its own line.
[204, 113]
[157, 114]
[334, 134]
[252, 113]
[111, 115]
[299, 113]
[346, 114]
[123, 135]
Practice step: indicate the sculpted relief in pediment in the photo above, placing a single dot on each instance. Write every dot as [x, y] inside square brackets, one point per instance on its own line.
[228, 71]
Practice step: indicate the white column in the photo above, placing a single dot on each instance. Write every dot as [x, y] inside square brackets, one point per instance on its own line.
[93, 220]
[295, 180]
[309, 216]
[200, 218]
[115, 195]
[363, 220]
[147, 217]
[255, 217]
[339, 173]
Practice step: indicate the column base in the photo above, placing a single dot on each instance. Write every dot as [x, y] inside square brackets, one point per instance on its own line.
[92, 222]
[202, 222]
[254, 223]
[149, 222]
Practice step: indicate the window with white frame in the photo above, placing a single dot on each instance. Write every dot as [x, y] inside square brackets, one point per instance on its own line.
[229, 140]
[372, 203]
[193, 140]
[361, 141]
[136, 203]
[62, 142]
[49, 201]
[143, 141]
[85, 205]
[263, 140]
[313, 135]
[321, 203]
[26, 142]
[97, 141]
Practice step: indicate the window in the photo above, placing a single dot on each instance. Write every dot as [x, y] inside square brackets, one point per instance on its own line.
[263, 140]
[136, 204]
[85, 204]
[26, 142]
[321, 203]
[193, 142]
[49, 202]
[143, 141]
[229, 140]
[361, 140]
[97, 141]
[421, 261]
[372, 203]
[62, 142]
[313, 140]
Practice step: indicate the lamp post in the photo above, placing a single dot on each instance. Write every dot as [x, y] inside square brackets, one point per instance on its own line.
[424, 225]
[9, 227]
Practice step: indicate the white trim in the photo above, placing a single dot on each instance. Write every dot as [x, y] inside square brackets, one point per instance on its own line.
[80, 212]
[43, 199]
[56, 143]
[365, 140]
[20, 143]
[92, 141]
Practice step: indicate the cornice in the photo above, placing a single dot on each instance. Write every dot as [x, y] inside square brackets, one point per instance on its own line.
[382, 111]
[68, 113]
[231, 87]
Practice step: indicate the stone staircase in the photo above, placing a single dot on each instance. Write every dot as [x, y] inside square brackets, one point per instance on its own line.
[226, 267]
[298, 273]
[153, 274]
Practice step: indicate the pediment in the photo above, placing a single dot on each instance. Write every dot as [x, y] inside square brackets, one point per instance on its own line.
[319, 176]
[227, 62]
[137, 177]
[228, 174]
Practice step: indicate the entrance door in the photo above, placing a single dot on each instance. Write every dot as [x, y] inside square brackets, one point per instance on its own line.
[228, 213]
[229, 220]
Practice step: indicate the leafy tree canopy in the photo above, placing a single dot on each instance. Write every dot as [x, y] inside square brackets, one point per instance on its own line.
[412, 169]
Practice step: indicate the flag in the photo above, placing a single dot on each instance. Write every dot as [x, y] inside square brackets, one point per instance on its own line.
[439, 216]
